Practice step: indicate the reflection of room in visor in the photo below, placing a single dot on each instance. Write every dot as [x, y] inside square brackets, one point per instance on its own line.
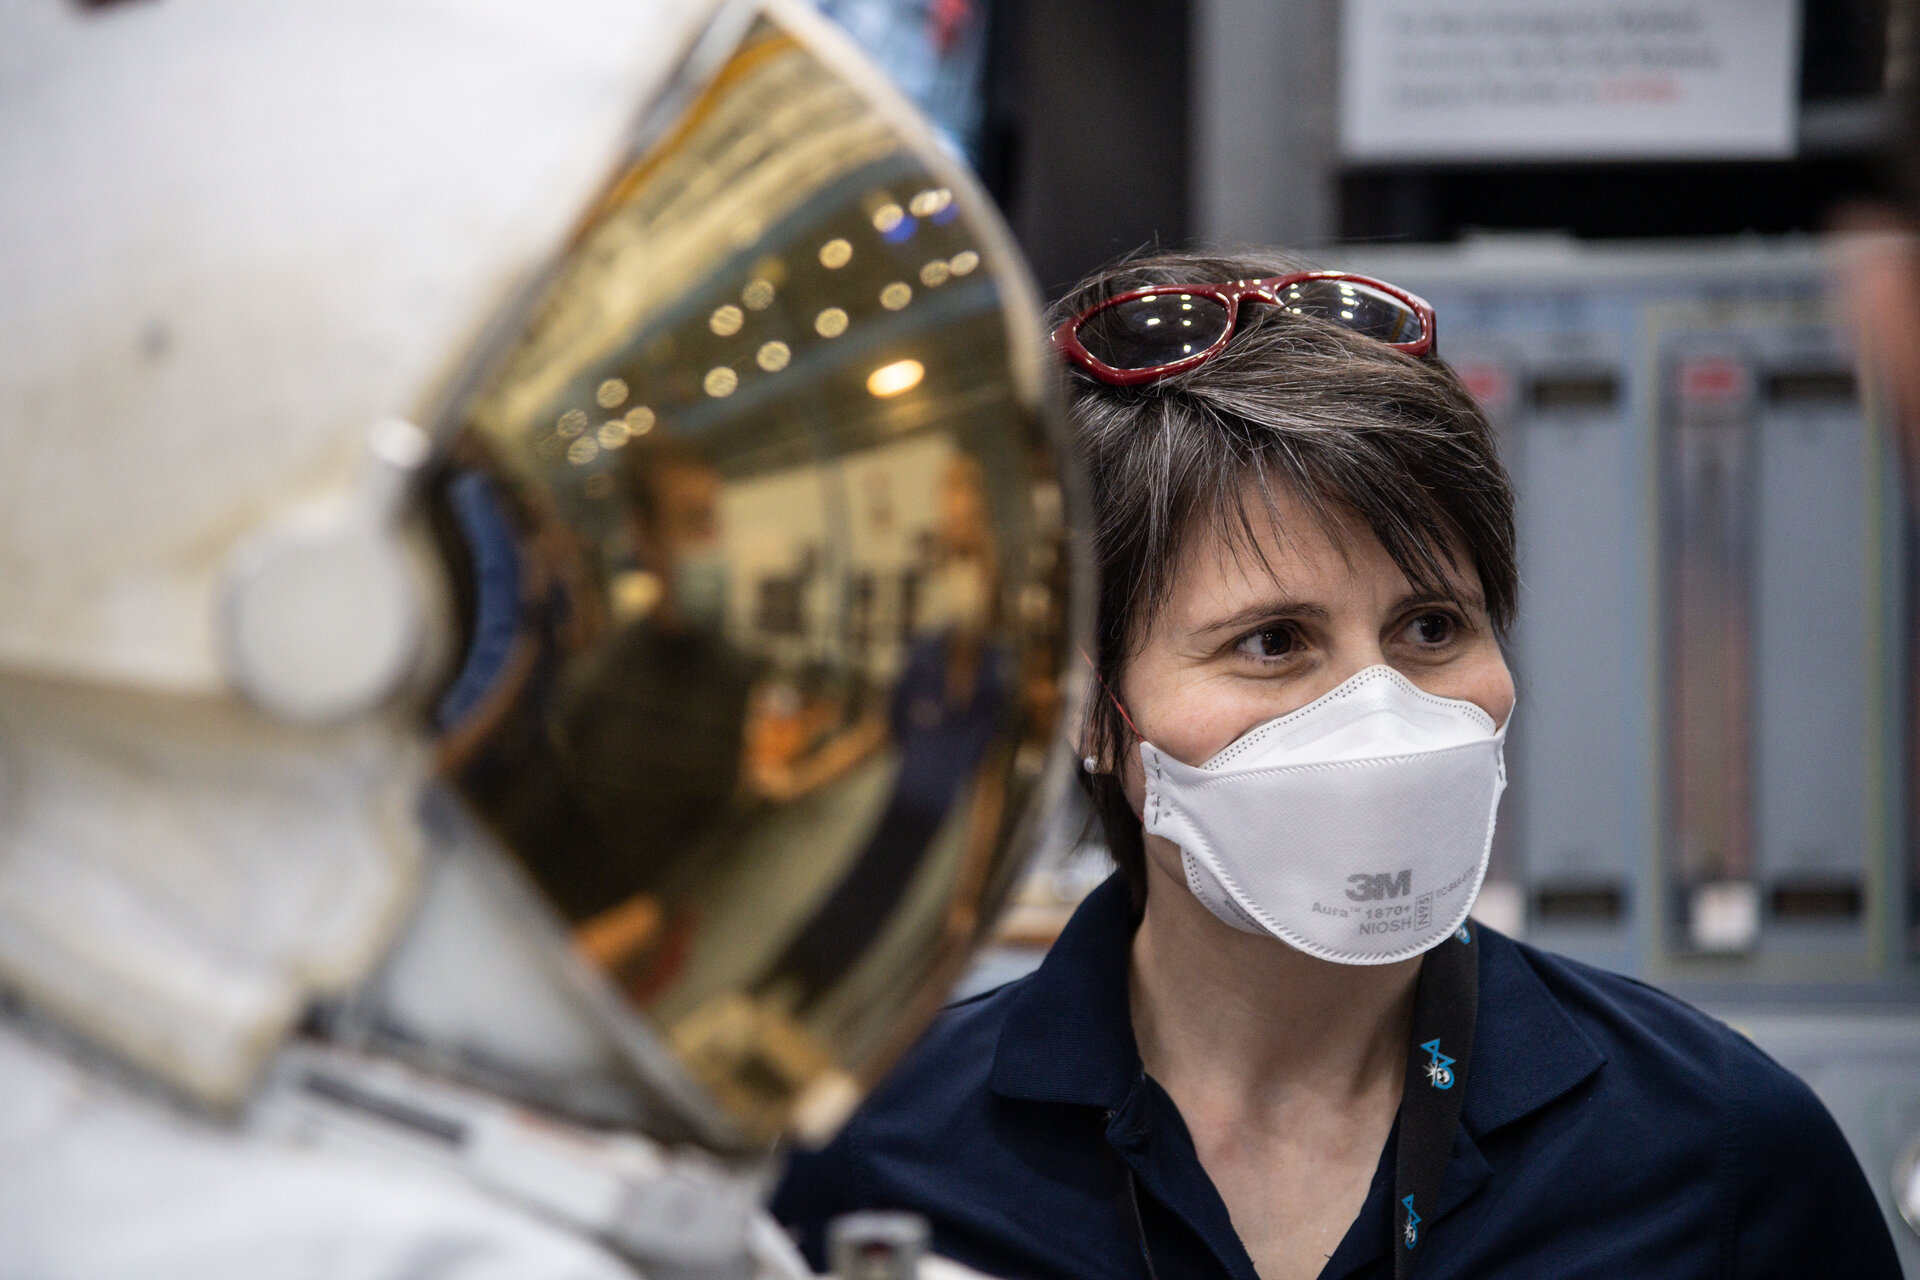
[742, 687]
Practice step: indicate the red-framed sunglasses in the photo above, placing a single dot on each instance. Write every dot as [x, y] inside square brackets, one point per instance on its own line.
[1147, 334]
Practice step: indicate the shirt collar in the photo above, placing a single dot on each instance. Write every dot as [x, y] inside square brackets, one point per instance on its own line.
[1527, 1049]
[1069, 1036]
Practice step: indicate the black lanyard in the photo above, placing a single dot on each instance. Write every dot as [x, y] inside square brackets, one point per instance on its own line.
[1444, 1006]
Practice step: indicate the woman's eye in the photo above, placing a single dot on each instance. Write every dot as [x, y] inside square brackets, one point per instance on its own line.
[1269, 642]
[1433, 629]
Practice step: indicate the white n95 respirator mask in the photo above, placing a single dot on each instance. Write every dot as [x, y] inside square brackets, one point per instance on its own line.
[1356, 828]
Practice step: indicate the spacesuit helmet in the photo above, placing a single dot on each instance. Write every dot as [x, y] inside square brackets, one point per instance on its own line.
[473, 481]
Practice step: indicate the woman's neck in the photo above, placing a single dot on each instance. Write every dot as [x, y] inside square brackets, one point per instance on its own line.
[1247, 1022]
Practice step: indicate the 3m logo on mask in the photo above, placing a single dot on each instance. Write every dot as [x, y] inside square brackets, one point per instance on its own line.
[1368, 887]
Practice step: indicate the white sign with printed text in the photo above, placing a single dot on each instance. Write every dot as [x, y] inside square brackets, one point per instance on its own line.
[1568, 79]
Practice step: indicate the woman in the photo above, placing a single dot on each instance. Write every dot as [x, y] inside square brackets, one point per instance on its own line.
[1272, 1044]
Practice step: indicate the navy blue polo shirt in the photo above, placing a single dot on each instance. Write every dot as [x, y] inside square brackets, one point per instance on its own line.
[1608, 1130]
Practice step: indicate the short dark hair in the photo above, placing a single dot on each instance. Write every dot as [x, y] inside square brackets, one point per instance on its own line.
[1346, 423]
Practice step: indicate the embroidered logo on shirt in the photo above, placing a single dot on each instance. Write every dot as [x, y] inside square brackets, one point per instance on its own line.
[1413, 1223]
[1439, 1066]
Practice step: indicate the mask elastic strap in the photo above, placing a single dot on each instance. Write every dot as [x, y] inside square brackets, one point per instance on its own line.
[1117, 705]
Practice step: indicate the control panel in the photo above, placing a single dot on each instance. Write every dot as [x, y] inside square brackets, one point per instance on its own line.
[1708, 760]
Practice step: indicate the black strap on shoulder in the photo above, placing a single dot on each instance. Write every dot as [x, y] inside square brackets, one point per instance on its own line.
[1444, 1006]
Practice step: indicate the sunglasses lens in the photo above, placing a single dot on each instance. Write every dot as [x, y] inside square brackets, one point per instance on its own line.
[1156, 330]
[1355, 306]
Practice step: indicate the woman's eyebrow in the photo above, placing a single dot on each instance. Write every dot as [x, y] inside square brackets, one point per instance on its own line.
[1417, 599]
[1263, 611]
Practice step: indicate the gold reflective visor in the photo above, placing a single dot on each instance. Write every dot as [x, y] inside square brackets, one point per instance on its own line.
[760, 547]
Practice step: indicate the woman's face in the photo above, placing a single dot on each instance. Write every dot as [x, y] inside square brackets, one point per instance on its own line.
[1248, 637]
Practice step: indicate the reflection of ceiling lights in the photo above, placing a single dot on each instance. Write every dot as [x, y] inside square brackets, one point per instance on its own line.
[892, 379]
[721, 381]
[929, 202]
[758, 295]
[835, 253]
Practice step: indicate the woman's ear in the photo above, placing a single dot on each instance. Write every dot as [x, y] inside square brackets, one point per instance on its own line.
[1083, 737]
[1089, 761]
